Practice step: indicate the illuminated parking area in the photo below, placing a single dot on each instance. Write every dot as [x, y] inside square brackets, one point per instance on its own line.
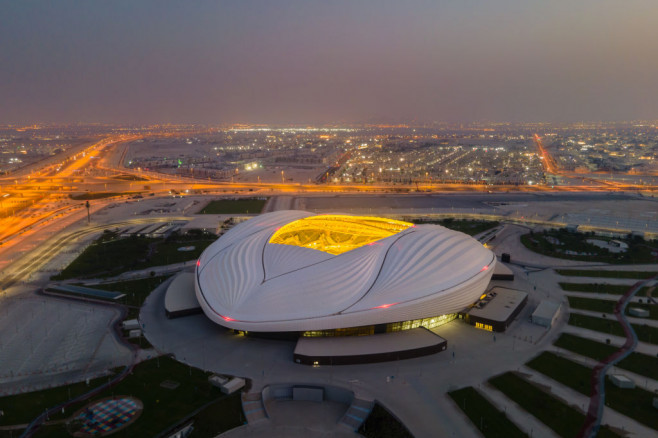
[337, 234]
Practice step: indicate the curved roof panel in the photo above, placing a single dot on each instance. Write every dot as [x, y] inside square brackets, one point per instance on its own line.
[257, 278]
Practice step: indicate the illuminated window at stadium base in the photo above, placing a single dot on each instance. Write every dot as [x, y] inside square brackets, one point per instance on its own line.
[431, 322]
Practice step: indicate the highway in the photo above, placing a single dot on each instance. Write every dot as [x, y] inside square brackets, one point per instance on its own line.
[30, 203]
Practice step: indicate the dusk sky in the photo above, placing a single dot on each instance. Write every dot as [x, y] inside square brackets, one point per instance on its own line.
[317, 62]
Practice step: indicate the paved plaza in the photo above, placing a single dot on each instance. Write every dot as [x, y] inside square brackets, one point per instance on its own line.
[47, 342]
[413, 389]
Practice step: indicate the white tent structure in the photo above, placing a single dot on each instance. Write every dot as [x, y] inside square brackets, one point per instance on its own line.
[297, 271]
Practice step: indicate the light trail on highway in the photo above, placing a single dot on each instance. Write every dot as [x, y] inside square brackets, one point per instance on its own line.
[36, 259]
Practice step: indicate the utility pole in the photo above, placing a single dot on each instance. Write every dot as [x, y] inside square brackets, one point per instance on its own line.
[88, 217]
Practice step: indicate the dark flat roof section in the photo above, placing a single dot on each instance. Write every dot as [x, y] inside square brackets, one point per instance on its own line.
[347, 350]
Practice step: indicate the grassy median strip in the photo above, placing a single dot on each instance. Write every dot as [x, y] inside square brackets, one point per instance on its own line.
[599, 288]
[563, 419]
[637, 363]
[634, 403]
[639, 275]
[90, 196]
[644, 332]
[486, 417]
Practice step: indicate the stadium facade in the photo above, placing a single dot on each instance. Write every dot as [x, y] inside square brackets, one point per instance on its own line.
[295, 271]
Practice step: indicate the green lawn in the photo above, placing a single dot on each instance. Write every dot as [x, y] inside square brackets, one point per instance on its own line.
[107, 258]
[23, 408]
[575, 376]
[608, 306]
[640, 275]
[490, 421]
[382, 424]
[234, 206]
[593, 304]
[111, 255]
[644, 332]
[638, 363]
[563, 419]
[167, 253]
[163, 408]
[136, 290]
[613, 289]
[638, 252]
[634, 403]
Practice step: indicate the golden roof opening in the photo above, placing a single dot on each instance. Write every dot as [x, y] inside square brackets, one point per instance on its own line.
[337, 234]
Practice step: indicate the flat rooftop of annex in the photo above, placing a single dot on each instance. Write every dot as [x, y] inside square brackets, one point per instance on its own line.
[499, 304]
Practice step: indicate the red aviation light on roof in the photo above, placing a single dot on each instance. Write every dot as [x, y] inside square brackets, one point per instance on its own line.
[384, 306]
[226, 318]
[198, 263]
[485, 268]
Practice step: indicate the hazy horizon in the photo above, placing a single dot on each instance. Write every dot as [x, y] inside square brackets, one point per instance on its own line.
[313, 62]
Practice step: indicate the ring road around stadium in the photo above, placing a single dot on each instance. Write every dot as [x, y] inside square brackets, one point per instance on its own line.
[295, 271]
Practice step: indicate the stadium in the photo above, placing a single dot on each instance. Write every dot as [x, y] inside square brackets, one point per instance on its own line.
[320, 275]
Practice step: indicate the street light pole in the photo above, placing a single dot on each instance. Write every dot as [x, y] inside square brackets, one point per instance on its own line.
[88, 216]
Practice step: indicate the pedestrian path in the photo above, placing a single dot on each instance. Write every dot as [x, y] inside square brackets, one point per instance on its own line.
[252, 406]
[357, 413]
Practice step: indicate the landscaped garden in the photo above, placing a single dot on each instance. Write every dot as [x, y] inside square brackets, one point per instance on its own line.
[562, 418]
[112, 255]
[575, 246]
[637, 363]
[170, 392]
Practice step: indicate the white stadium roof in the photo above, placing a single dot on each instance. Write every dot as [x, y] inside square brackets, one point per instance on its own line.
[337, 271]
